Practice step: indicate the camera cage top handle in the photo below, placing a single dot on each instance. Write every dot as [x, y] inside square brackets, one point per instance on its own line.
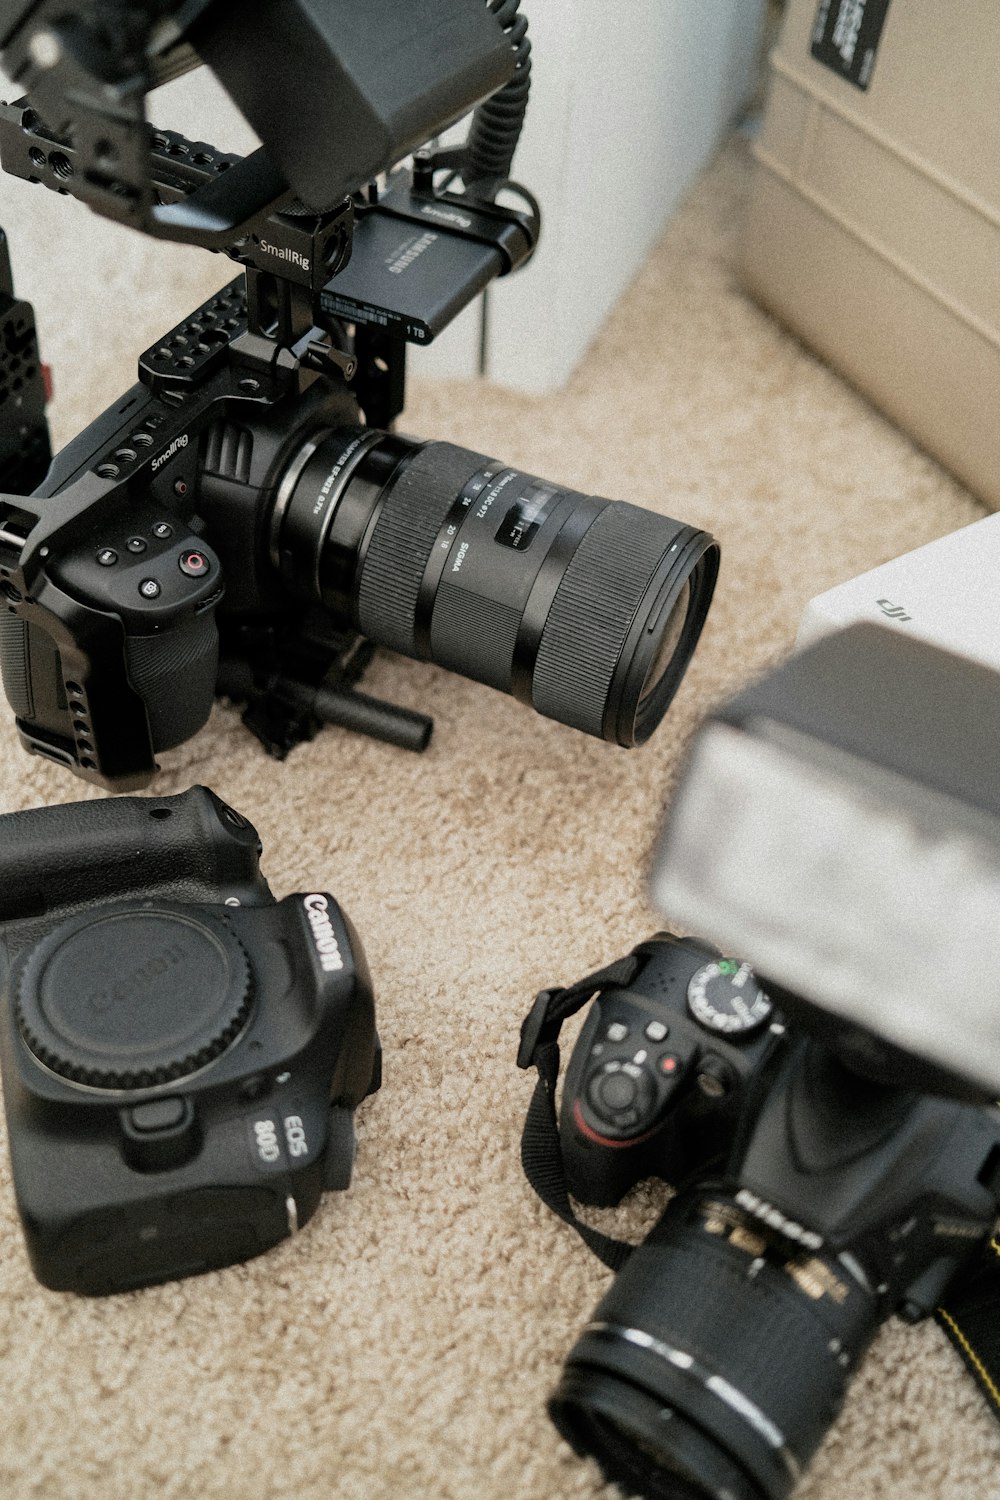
[343, 101]
[541, 1154]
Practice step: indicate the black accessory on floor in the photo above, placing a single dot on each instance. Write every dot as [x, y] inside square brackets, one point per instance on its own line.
[182, 1055]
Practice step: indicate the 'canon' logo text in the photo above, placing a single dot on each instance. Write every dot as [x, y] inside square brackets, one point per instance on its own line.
[323, 934]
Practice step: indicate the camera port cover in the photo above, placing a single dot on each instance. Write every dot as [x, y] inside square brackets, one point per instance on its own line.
[135, 997]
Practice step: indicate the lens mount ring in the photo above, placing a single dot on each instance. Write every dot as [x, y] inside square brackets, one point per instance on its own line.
[304, 512]
[286, 488]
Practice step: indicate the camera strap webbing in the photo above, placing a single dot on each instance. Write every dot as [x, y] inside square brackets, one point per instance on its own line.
[541, 1152]
[971, 1314]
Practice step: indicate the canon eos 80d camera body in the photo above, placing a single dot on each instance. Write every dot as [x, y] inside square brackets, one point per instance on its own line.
[181, 1055]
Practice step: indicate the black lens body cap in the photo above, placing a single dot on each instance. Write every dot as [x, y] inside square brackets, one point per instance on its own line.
[133, 997]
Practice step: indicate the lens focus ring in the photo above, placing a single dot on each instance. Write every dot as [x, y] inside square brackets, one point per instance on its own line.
[418, 499]
[592, 611]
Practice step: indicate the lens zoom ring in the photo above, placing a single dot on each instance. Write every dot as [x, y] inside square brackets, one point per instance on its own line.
[475, 636]
[592, 611]
[411, 518]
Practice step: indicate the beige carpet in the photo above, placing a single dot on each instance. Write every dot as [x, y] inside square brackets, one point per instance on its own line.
[404, 1343]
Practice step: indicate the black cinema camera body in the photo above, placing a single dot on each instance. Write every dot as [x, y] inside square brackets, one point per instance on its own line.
[812, 1204]
[181, 1054]
[242, 522]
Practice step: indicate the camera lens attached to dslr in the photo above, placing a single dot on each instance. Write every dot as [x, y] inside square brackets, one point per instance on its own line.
[717, 1360]
[586, 609]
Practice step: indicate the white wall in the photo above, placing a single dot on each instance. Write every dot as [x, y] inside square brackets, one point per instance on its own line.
[629, 101]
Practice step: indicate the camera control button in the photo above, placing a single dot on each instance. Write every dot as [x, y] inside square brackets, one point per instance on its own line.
[163, 530]
[107, 557]
[617, 1031]
[160, 1134]
[617, 1092]
[149, 588]
[621, 1098]
[669, 1064]
[193, 564]
[136, 544]
[157, 1115]
[656, 1031]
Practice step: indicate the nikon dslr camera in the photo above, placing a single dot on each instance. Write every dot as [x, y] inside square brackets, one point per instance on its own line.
[181, 1055]
[815, 1200]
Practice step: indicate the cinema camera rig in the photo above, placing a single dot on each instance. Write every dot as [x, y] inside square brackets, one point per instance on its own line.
[328, 294]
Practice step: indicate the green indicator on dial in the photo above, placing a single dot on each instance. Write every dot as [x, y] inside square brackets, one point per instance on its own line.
[725, 997]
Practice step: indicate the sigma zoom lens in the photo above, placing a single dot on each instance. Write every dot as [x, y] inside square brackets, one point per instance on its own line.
[587, 609]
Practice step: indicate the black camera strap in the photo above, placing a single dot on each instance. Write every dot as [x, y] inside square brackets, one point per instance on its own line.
[971, 1316]
[971, 1319]
[541, 1152]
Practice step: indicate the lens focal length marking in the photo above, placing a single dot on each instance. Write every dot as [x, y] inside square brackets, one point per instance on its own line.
[486, 485]
[525, 516]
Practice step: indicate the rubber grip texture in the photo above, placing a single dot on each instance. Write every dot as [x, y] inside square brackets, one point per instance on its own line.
[592, 611]
[412, 515]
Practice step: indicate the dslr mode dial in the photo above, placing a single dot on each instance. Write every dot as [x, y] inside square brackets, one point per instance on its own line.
[725, 997]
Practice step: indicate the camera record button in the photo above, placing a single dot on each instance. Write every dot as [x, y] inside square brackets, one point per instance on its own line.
[193, 564]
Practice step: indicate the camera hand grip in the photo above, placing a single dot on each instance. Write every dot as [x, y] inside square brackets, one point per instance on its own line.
[174, 674]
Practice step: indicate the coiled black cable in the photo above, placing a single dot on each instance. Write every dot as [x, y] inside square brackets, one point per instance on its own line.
[497, 122]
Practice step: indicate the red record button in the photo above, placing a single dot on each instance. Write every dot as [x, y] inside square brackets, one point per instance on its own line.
[193, 564]
[669, 1064]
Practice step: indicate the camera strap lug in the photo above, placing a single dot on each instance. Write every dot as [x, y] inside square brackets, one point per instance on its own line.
[541, 1154]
